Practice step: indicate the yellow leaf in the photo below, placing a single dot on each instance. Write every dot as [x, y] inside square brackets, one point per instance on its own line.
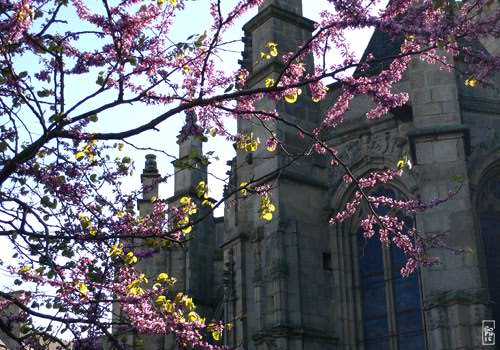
[116, 250]
[82, 288]
[120, 213]
[292, 97]
[25, 269]
[136, 291]
[187, 230]
[80, 155]
[84, 220]
[212, 132]
[188, 302]
[269, 82]
[193, 316]
[244, 191]
[273, 48]
[216, 334]
[173, 3]
[185, 200]
[472, 82]
[161, 299]
[201, 186]
[130, 259]
[162, 277]
[169, 306]
[93, 231]
[267, 216]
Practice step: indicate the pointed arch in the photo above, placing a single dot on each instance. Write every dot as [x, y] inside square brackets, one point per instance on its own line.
[377, 309]
[486, 196]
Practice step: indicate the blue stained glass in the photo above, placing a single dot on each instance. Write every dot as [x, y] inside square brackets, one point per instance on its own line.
[490, 231]
[376, 328]
[409, 322]
[372, 283]
[406, 293]
[398, 259]
[370, 256]
[415, 342]
[374, 301]
[407, 306]
[377, 345]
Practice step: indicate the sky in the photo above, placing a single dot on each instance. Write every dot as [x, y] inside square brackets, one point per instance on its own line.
[193, 20]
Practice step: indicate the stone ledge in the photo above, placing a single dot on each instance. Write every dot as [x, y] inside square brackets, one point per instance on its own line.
[477, 104]
[461, 297]
[277, 12]
[438, 131]
[289, 331]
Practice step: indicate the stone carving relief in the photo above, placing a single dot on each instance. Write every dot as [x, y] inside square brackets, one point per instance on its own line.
[386, 145]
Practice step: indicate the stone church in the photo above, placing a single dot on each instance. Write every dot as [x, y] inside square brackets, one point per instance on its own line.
[297, 282]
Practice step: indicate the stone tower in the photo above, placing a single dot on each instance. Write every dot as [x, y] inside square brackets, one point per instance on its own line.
[272, 298]
[296, 282]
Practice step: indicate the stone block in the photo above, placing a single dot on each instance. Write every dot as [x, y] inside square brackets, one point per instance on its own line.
[424, 152]
[435, 77]
[443, 93]
[445, 150]
[433, 108]
[420, 97]
[451, 107]
[417, 80]
[435, 221]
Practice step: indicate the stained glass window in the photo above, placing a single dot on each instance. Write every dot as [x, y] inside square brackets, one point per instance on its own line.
[489, 219]
[386, 294]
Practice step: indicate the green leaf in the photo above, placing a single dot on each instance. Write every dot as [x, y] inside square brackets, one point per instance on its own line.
[229, 88]
[45, 201]
[200, 39]
[43, 93]
[56, 117]
[93, 118]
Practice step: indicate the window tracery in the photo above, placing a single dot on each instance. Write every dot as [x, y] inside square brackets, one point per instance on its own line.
[390, 304]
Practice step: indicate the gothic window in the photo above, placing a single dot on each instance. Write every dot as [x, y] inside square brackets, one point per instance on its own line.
[390, 304]
[489, 221]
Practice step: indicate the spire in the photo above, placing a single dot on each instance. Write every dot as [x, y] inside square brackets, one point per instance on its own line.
[280, 22]
[294, 6]
[191, 168]
[150, 179]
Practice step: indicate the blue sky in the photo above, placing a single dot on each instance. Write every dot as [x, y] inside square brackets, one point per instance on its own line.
[194, 20]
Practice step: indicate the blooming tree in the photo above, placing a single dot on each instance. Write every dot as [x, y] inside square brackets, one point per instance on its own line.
[62, 204]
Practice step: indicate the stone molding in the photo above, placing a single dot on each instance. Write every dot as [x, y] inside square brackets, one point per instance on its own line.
[273, 11]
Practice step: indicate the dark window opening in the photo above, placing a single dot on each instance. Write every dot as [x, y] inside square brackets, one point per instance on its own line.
[327, 261]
